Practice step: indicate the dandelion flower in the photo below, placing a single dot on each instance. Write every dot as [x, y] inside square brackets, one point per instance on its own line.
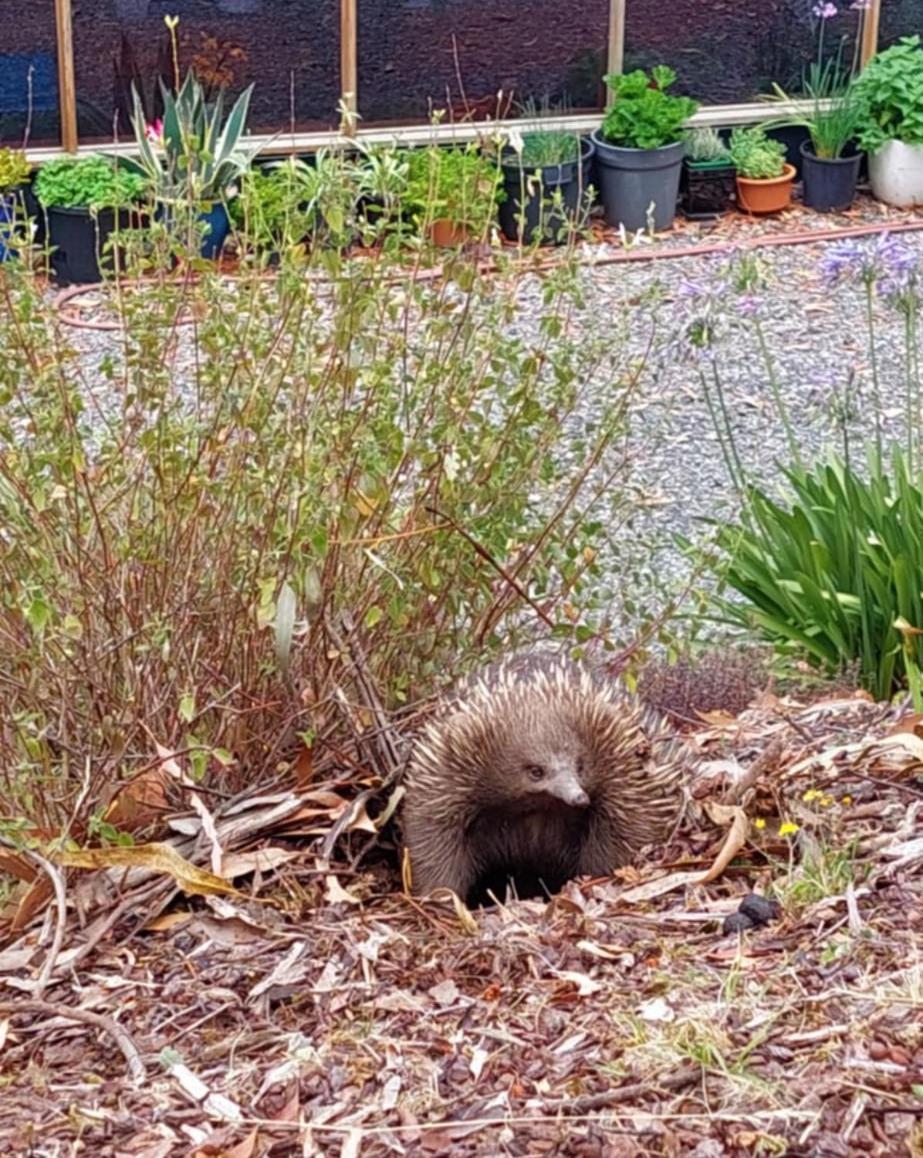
[759, 822]
[788, 828]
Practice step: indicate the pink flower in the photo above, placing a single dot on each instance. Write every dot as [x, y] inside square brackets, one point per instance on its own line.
[824, 11]
[154, 132]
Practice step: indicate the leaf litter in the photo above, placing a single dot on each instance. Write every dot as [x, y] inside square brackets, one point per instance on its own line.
[240, 984]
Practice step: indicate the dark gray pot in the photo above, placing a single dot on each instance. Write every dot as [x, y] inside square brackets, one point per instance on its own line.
[526, 207]
[630, 179]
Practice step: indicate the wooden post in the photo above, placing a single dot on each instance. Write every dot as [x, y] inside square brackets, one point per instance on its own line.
[67, 87]
[615, 55]
[870, 22]
[349, 68]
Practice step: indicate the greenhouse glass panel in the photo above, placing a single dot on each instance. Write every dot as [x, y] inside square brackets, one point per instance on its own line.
[479, 59]
[290, 49]
[29, 77]
[730, 53]
[900, 18]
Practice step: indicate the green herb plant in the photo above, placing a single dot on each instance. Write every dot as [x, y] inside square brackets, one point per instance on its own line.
[14, 168]
[890, 95]
[644, 115]
[90, 182]
[270, 213]
[756, 156]
[459, 184]
[707, 147]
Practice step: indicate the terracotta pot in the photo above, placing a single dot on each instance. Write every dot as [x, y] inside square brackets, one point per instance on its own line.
[768, 195]
[447, 234]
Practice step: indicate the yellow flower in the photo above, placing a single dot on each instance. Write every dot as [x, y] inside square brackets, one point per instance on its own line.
[811, 794]
[787, 829]
[759, 822]
[845, 800]
[826, 801]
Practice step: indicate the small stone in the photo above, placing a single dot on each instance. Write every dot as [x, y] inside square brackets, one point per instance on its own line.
[878, 1050]
[900, 1056]
[760, 910]
[736, 923]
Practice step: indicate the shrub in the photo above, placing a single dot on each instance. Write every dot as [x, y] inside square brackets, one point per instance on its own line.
[707, 146]
[270, 209]
[644, 115]
[303, 504]
[834, 575]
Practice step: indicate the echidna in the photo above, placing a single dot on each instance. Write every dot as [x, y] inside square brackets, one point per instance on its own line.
[535, 772]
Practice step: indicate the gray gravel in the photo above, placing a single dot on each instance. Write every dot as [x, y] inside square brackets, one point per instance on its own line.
[678, 477]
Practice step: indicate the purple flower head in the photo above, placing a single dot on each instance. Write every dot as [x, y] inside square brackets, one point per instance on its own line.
[843, 261]
[825, 11]
[888, 263]
[748, 306]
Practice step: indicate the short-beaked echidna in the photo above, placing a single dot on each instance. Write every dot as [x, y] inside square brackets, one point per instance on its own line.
[534, 772]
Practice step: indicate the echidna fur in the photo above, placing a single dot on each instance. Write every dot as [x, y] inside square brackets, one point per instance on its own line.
[473, 824]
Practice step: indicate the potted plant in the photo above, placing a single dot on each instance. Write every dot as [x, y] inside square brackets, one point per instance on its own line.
[14, 172]
[85, 199]
[829, 158]
[193, 157]
[640, 147]
[451, 193]
[764, 178]
[708, 175]
[543, 184]
[890, 122]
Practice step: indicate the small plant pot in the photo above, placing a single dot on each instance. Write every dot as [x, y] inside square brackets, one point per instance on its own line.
[768, 195]
[636, 182]
[708, 188]
[218, 226]
[78, 238]
[446, 234]
[829, 183]
[527, 213]
[896, 174]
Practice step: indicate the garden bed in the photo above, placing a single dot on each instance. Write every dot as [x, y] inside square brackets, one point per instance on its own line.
[320, 1012]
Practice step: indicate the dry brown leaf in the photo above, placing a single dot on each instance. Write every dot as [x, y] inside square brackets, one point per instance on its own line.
[139, 801]
[34, 900]
[17, 866]
[240, 864]
[246, 1148]
[736, 837]
[157, 857]
[335, 894]
[303, 768]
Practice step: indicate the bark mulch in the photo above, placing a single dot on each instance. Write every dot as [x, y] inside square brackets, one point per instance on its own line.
[317, 1010]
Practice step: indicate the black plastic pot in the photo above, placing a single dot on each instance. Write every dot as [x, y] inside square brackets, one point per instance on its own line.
[634, 181]
[829, 184]
[708, 188]
[530, 208]
[78, 239]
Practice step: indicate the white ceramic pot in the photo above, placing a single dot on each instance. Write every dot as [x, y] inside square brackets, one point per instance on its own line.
[896, 174]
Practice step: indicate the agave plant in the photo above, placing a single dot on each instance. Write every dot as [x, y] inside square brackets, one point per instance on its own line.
[192, 155]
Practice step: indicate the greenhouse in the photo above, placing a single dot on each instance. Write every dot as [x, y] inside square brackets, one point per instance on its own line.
[67, 66]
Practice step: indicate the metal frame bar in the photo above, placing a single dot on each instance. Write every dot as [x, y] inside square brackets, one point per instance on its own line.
[716, 115]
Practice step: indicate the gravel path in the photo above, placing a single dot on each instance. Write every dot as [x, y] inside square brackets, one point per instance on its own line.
[819, 343]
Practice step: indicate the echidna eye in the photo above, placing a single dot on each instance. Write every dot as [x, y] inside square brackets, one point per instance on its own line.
[535, 772]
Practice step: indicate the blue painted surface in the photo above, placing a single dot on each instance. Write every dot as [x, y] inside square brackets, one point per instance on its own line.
[7, 217]
[14, 81]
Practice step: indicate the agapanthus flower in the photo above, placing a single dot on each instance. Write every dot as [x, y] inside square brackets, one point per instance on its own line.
[824, 11]
[888, 264]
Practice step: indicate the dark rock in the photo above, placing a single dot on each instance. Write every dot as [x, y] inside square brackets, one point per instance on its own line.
[736, 923]
[760, 910]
